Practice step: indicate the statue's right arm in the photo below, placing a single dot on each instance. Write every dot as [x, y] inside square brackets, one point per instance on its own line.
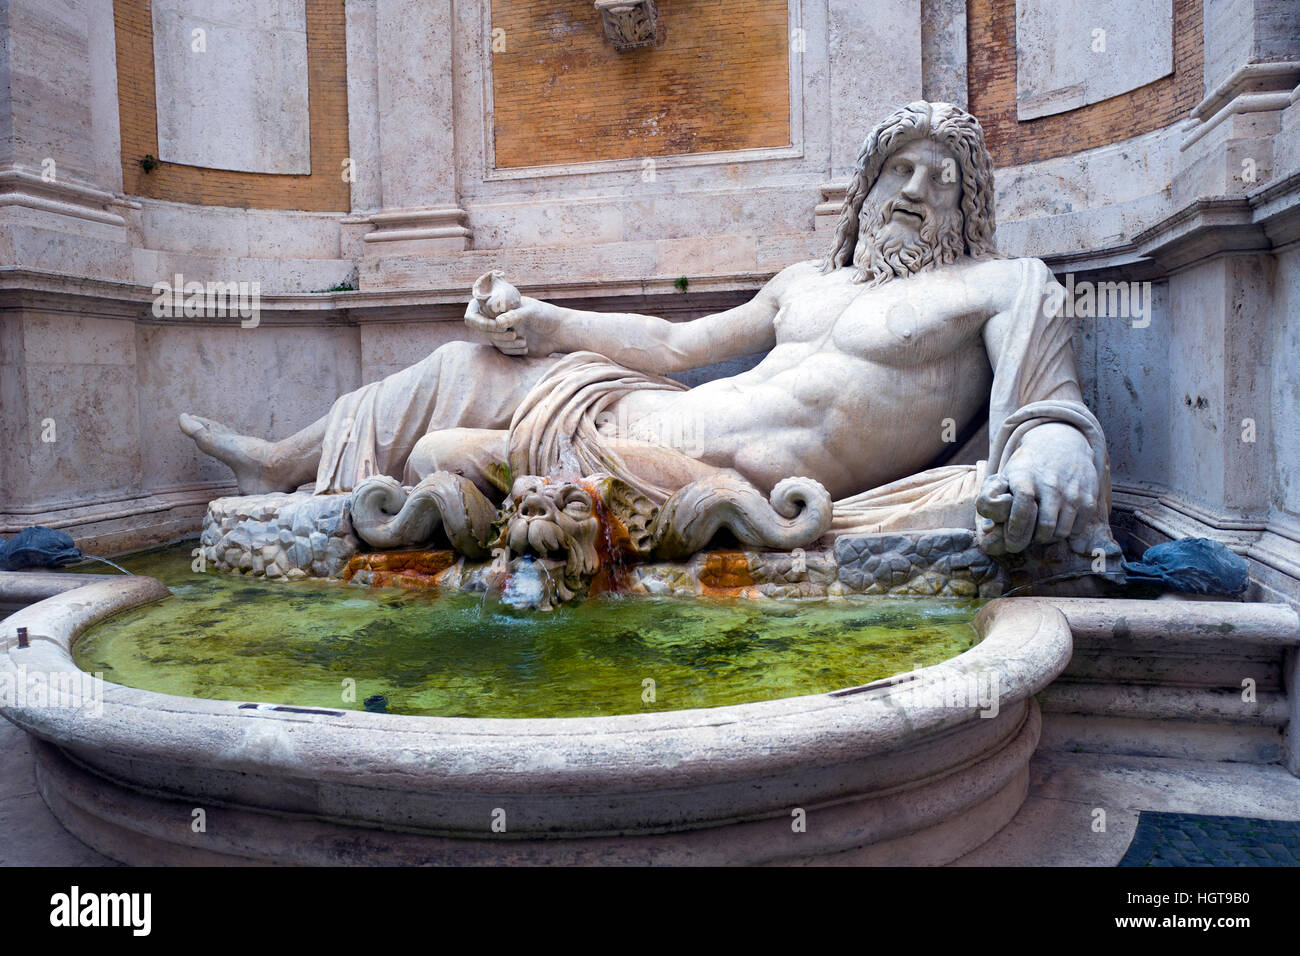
[651, 344]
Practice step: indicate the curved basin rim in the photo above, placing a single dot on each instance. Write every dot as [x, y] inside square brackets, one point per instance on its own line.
[1024, 640]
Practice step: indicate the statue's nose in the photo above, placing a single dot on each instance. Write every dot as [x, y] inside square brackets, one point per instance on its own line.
[917, 187]
[533, 506]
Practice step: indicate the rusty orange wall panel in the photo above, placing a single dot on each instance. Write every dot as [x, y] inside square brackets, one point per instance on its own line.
[719, 80]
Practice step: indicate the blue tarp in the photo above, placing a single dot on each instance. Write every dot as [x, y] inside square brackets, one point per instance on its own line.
[38, 547]
[1195, 565]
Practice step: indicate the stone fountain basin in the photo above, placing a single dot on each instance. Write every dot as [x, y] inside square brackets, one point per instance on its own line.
[891, 773]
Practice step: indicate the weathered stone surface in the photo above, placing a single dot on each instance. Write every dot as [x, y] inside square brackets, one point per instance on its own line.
[415, 568]
[1070, 53]
[944, 562]
[859, 564]
[299, 554]
[319, 543]
[725, 570]
[795, 567]
[251, 68]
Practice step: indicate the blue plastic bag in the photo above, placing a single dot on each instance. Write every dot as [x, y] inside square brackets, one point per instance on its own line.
[38, 547]
[1195, 565]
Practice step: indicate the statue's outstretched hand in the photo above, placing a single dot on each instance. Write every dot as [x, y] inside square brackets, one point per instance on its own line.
[1047, 487]
[515, 324]
[504, 337]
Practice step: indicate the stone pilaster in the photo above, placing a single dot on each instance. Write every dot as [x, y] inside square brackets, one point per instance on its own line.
[60, 145]
[875, 67]
[420, 208]
[943, 51]
[1252, 67]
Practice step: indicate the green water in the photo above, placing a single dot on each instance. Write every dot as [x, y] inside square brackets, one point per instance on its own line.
[226, 637]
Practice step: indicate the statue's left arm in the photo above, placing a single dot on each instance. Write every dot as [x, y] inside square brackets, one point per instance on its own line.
[1047, 468]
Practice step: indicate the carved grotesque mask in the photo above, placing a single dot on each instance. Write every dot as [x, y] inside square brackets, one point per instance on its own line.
[554, 521]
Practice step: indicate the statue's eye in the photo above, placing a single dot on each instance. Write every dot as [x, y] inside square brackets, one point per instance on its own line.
[577, 504]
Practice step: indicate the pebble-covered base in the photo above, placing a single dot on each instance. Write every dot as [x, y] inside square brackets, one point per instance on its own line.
[292, 536]
[740, 574]
[945, 562]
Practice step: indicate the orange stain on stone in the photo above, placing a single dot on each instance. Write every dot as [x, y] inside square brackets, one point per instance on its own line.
[726, 571]
[411, 569]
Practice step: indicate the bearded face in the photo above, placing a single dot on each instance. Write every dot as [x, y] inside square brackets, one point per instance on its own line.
[554, 521]
[911, 219]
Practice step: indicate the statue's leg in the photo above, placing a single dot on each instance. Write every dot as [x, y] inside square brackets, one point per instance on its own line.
[477, 453]
[373, 429]
[260, 466]
[462, 385]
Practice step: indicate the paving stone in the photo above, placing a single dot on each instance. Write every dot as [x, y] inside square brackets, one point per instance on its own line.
[29, 834]
[1182, 839]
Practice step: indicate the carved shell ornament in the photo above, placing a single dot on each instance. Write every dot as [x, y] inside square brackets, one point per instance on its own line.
[629, 24]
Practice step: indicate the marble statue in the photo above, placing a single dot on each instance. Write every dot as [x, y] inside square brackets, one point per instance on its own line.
[913, 379]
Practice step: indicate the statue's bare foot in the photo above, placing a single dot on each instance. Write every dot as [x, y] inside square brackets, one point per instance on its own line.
[253, 460]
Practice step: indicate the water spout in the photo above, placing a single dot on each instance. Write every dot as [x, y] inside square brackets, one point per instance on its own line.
[528, 586]
[94, 557]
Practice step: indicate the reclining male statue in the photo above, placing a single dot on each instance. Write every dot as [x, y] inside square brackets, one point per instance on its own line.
[886, 366]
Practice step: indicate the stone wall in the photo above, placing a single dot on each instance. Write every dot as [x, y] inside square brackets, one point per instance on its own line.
[92, 383]
[1283, 348]
[992, 67]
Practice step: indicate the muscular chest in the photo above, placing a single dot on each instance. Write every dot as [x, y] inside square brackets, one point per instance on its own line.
[902, 323]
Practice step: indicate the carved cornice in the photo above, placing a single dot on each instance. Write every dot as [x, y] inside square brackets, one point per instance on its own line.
[1272, 542]
[21, 188]
[441, 222]
[1262, 221]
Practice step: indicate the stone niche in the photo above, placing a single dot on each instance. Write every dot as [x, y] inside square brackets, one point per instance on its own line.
[230, 79]
[584, 83]
[1070, 53]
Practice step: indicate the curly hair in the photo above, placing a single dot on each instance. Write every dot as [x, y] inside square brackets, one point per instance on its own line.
[948, 125]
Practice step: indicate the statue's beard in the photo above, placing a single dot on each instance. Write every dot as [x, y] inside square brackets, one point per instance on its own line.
[888, 250]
